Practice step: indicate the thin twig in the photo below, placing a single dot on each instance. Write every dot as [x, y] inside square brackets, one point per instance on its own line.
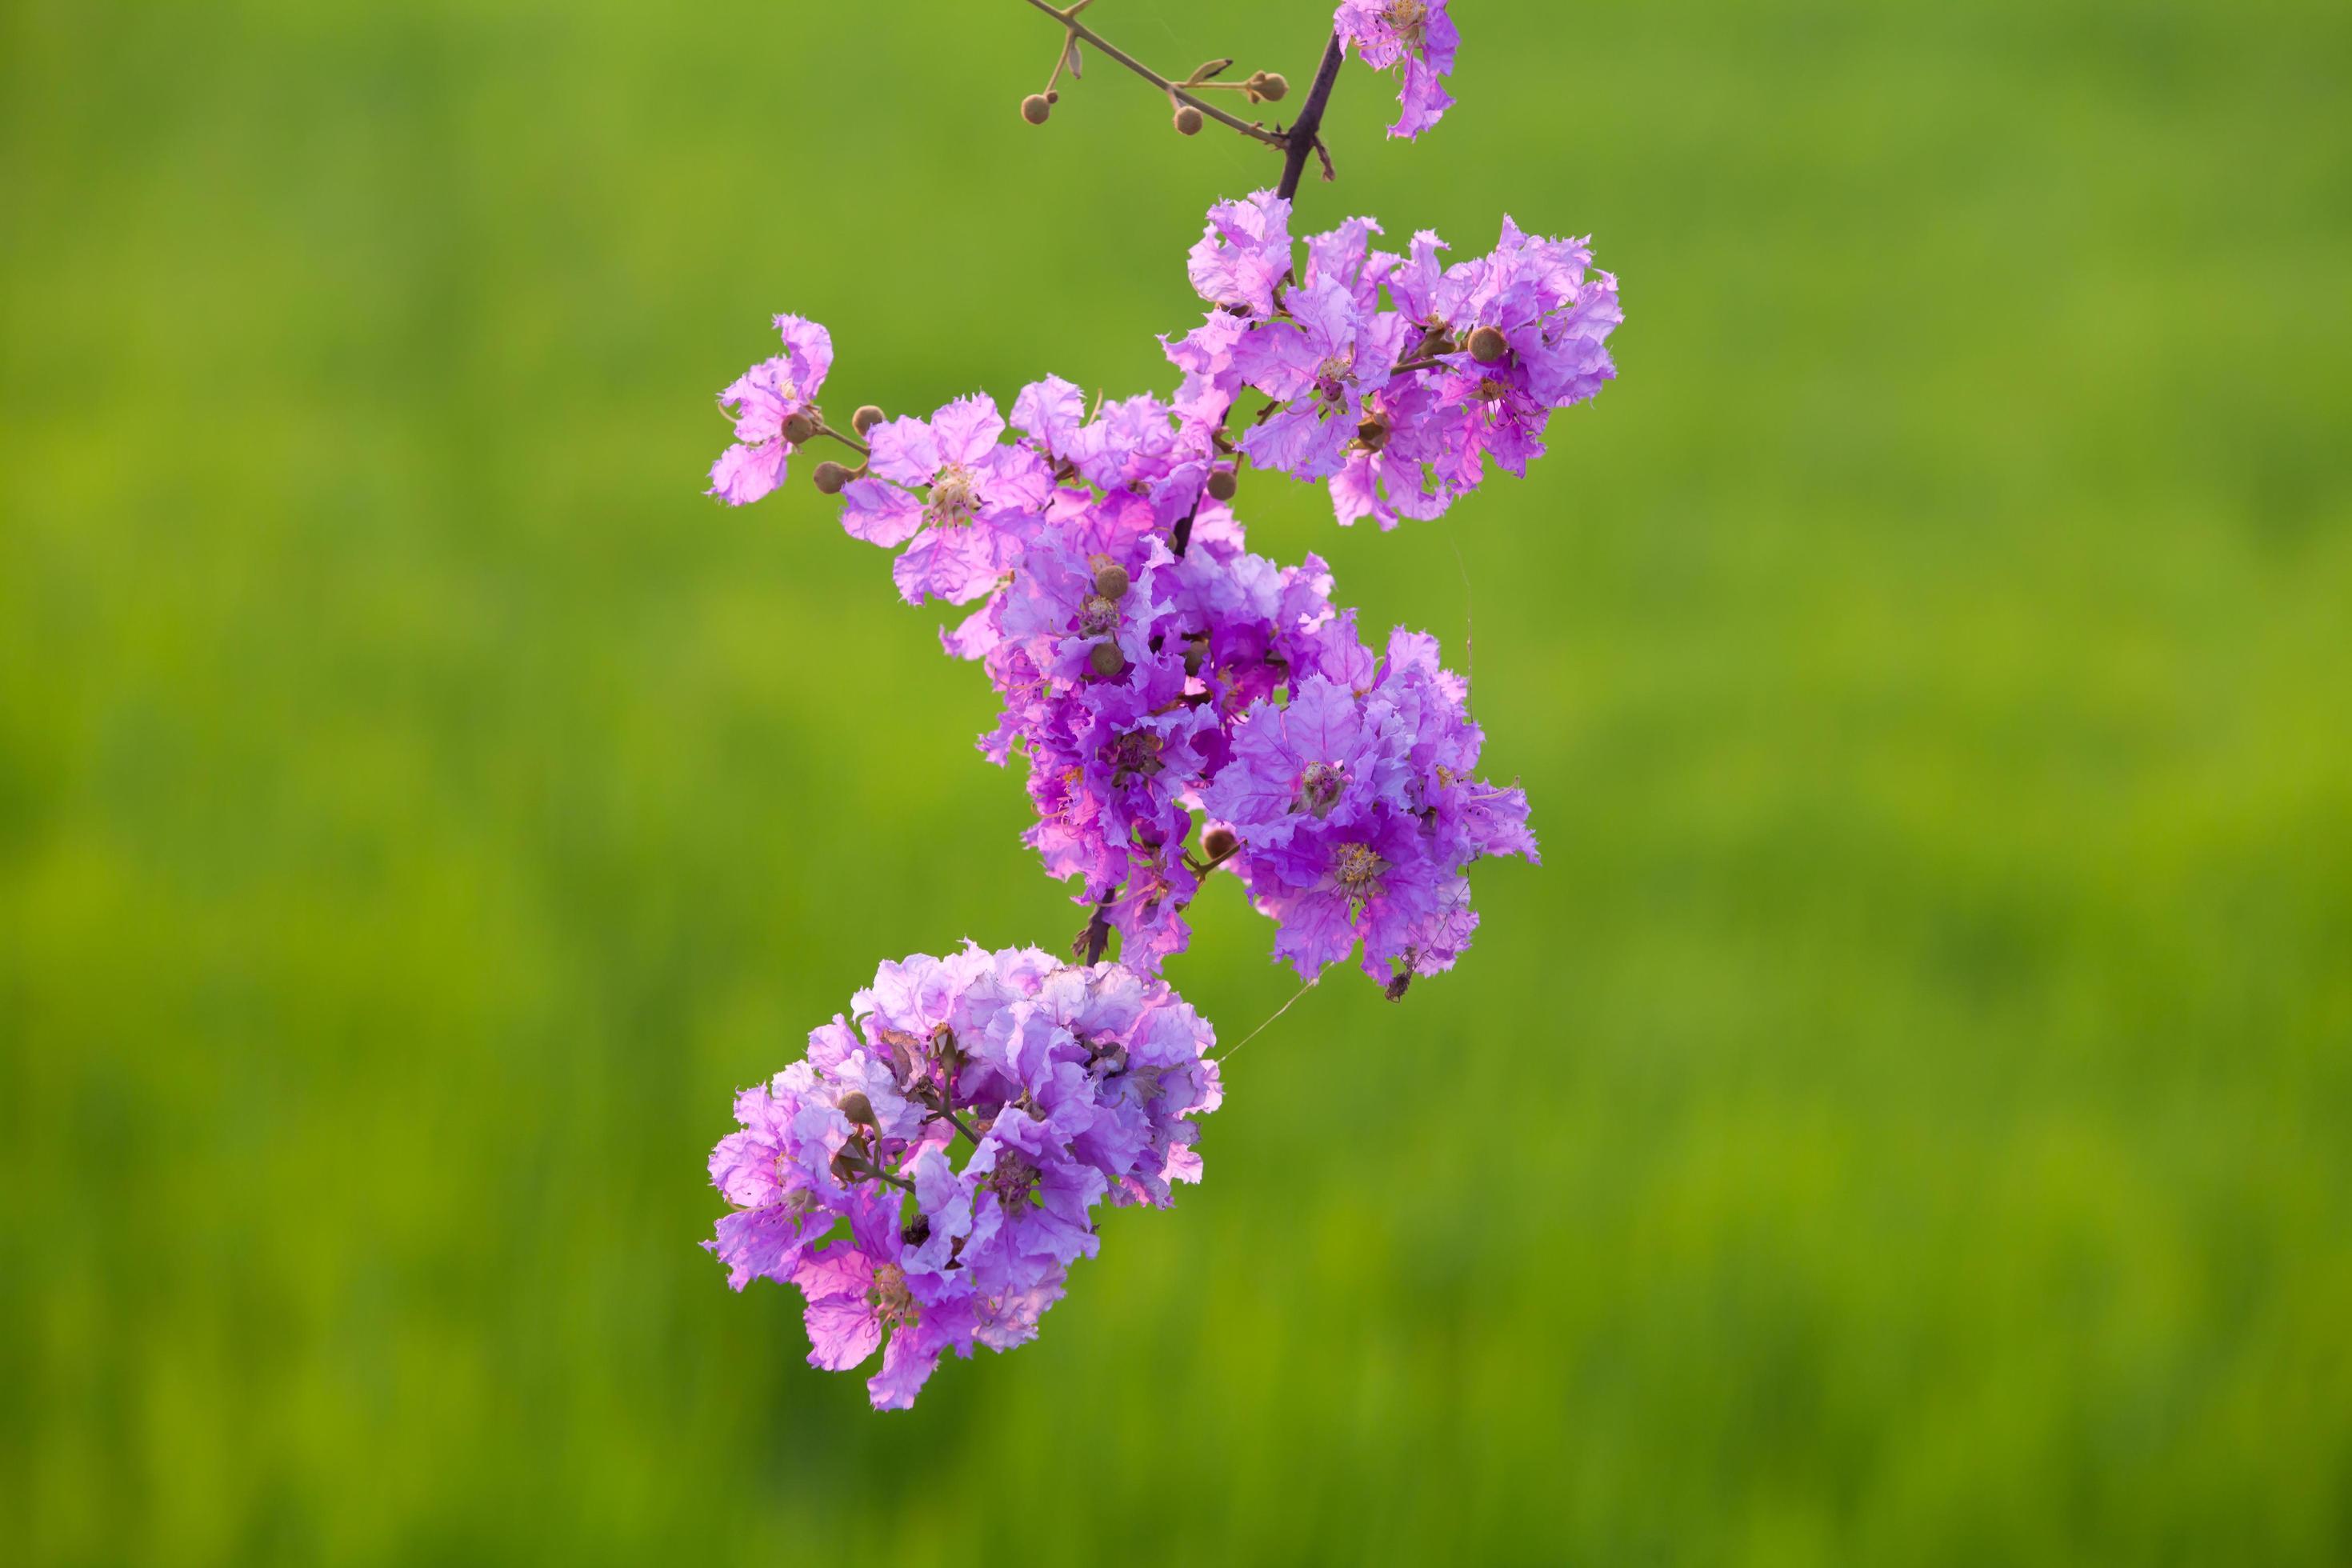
[1222, 1056]
[1083, 33]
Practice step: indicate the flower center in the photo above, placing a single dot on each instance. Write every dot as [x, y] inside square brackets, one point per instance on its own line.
[888, 1296]
[1358, 870]
[1097, 615]
[954, 498]
[1409, 18]
[1013, 1181]
[1318, 788]
[1331, 379]
[1137, 752]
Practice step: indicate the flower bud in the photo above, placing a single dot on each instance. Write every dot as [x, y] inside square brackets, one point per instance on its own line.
[1272, 85]
[866, 418]
[1222, 484]
[1220, 842]
[831, 478]
[1111, 580]
[1487, 345]
[1035, 109]
[859, 1109]
[1106, 659]
[799, 428]
[1188, 120]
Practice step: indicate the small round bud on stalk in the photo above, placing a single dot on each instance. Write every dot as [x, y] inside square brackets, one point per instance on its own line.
[1220, 842]
[799, 428]
[1188, 120]
[831, 478]
[1106, 659]
[1222, 484]
[1111, 580]
[1036, 108]
[859, 1109]
[1371, 435]
[1272, 85]
[1487, 345]
[866, 418]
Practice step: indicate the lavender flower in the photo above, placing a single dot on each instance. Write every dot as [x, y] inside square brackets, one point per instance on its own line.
[1417, 33]
[982, 504]
[771, 401]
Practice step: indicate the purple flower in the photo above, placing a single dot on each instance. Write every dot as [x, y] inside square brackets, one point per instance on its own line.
[1417, 33]
[859, 1290]
[983, 501]
[1322, 360]
[763, 401]
[1244, 255]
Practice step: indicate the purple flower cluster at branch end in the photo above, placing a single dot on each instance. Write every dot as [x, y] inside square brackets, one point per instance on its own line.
[1062, 1086]
[1417, 34]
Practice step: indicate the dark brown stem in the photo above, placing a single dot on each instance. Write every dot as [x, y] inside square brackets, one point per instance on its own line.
[1306, 132]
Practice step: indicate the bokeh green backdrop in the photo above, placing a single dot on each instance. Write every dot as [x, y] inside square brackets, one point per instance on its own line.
[1903, 1121]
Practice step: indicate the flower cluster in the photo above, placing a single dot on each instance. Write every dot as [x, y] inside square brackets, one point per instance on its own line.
[1160, 680]
[1393, 378]
[1415, 34]
[1061, 1087]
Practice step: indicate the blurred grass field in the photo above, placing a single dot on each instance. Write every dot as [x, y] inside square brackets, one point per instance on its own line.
[1905, 1120]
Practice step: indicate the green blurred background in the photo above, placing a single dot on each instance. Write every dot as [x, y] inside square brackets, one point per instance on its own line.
[1904, 1121]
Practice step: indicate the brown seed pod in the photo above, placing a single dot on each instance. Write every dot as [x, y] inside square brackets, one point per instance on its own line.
[1036, 108]
[866, 418]
[1187, 119]
[830, 479]
[1220, 842]
[1487, 345]
[799, 428]
[1106, 659]
[1112, 580]
[1222, 484]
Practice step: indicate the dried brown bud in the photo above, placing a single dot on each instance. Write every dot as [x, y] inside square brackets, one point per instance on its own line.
[799, 428]
[866, 418]
[916, 1231]
[1395, 989]
[859, 1109]
[1371, 435]
[1196, 653]
[1272, 85]
[1220, 842]
[1222, 484]
[831, 478]
[1111, 580]
[1106, 659]
[1187, 119]
[848, 1166]
[1487, 345]
[1036, 108]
